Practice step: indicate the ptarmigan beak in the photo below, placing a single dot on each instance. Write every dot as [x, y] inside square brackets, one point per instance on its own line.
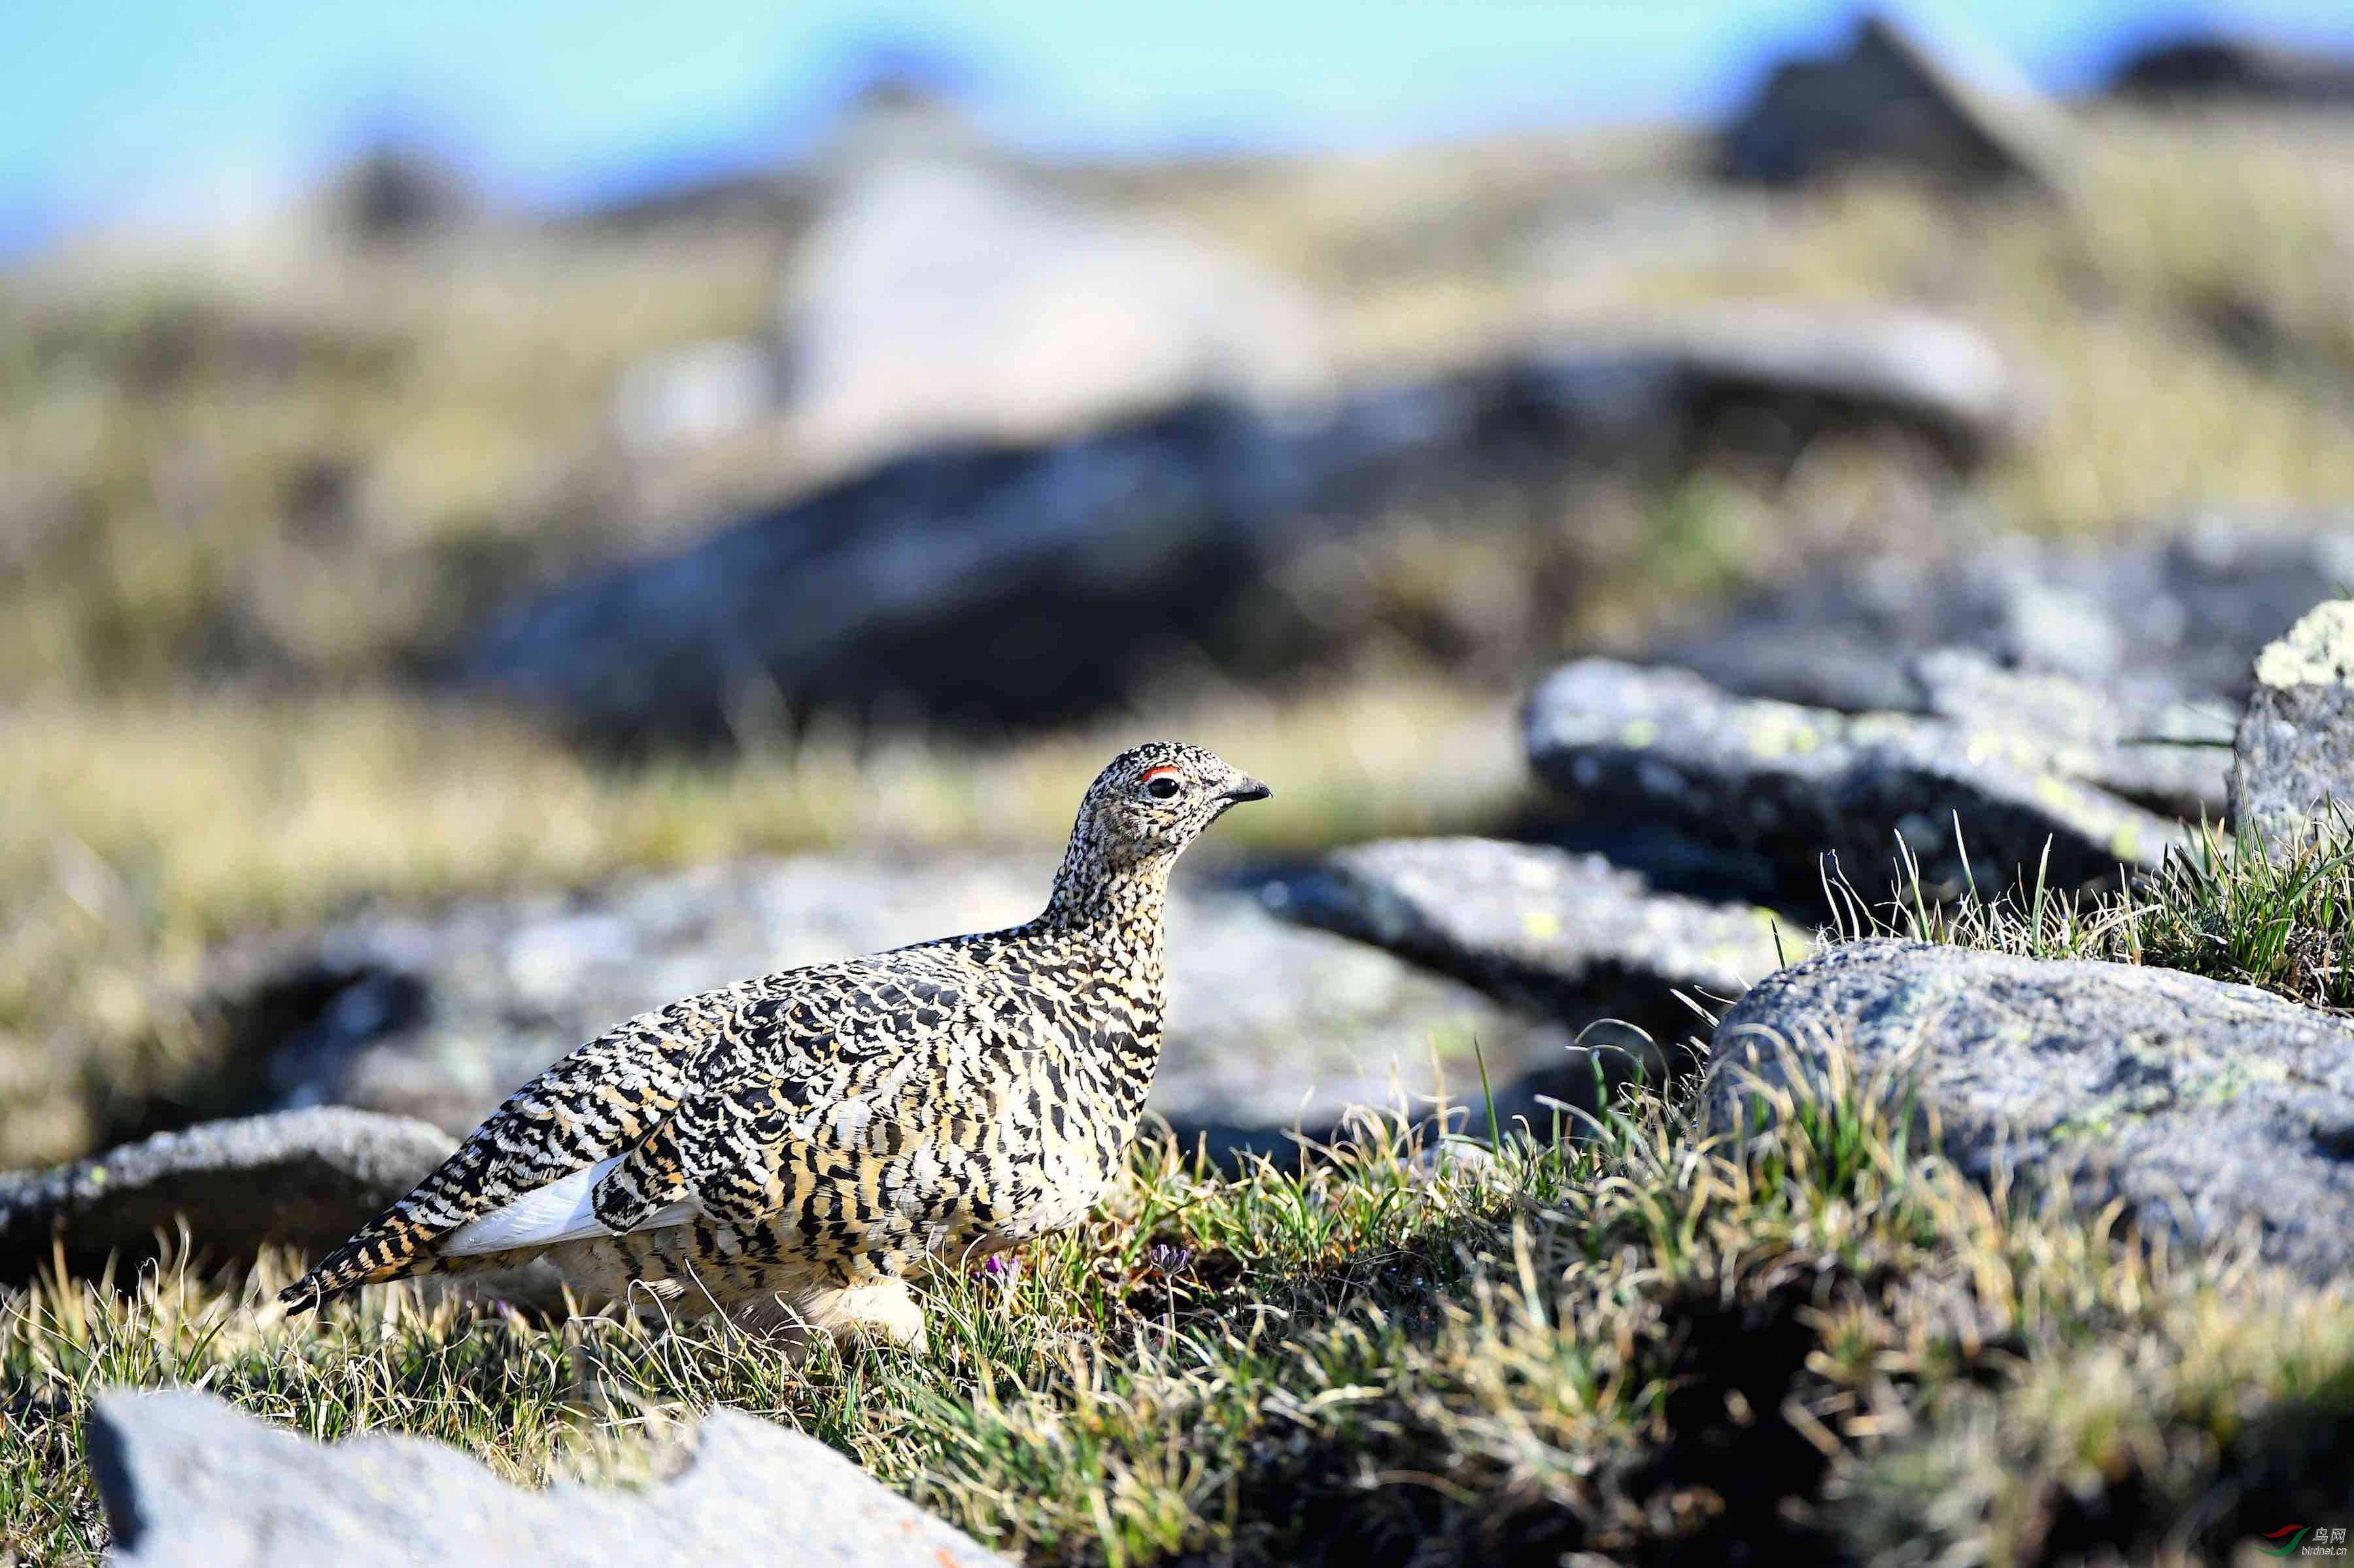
[1245, 789]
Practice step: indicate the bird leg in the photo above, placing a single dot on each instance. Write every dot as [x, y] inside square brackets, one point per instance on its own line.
[881, 1313]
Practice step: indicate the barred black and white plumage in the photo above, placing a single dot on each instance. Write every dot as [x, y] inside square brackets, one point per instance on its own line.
[794, 1147]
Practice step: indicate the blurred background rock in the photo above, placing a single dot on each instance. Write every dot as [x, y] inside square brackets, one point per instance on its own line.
[452, 459]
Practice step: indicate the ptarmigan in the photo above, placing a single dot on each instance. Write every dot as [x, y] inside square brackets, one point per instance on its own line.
[791, 1149]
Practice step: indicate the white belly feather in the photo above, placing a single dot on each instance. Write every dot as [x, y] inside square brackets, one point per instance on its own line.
[560, 1211]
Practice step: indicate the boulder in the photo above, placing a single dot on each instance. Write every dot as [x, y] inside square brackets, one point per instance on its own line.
[1568, 936]
[304, 1179]
[1790, 783]
[940, 300]
[1038, 582]
[189, 1481]
[439, 1013]
[2212, 65]
[1776, 376]
[2169, 756]
[2296, 749]
[1955, 114]
[2213, 1110]
[2178, 618]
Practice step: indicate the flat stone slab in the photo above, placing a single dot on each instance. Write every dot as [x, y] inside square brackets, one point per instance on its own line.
[191, 1482]
[1566, 935]
[305, 1178]
[2171, 756]
[1789, 783]
[440, 1014]
[2296, 744]
[2209, 1107]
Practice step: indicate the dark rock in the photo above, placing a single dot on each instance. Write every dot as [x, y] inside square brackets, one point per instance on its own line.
[1032, 584]
[2207, 1107]
[1553, 935]
[1892, 100]
[2213, 65]
[1568, 936]
[400, 196]
[305, 1178]
[1792, 783]
[2176, 621]
[1270, 1027]
[189, 1481]
[2295, 749]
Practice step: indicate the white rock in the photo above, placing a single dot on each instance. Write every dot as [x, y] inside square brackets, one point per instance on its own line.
[691, 395]
[938, 301]
[191, 1482]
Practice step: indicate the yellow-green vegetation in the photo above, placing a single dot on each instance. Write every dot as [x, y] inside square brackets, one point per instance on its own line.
[1644, 1344]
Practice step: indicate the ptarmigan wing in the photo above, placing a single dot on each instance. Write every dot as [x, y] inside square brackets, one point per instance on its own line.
[698, 1109]
[595, 1104]
[862, 1116]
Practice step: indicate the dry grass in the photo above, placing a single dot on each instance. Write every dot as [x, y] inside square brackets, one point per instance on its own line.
[136, 834]
[1644, 1344]
[2233, 906]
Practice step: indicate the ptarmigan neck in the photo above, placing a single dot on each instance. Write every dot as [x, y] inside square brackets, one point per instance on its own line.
[1116, 905]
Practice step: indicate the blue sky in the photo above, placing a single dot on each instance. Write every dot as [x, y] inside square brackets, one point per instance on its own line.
[128, 106]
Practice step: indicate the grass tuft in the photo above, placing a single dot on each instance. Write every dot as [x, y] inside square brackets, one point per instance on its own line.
[2233, 906]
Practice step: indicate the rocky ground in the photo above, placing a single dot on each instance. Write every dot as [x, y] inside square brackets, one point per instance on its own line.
[2143, 1079]
[1852, 1067]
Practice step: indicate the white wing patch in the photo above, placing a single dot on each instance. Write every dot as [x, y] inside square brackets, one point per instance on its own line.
[560, 1211]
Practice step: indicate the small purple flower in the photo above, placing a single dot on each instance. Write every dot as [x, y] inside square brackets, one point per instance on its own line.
[1001, 1268]
[1169, 1259]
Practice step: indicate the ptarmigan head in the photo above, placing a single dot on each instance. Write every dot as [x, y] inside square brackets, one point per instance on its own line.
[1157, 798]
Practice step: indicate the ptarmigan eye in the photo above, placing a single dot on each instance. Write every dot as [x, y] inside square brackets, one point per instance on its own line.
[1160, 786]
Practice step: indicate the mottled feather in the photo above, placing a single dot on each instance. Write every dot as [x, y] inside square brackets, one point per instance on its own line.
[793, 1138]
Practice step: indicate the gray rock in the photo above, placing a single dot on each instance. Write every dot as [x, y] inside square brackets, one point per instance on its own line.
[1805, 369]
[1552, 935]
[2208, 1107]
[1032, 583]
[2171, 755]
[191, 1482]
[938, 300]
[305, 1178]
[1565, 935]
[2295, 749]
[2174, 621]
[1791, 783]
[439, 1014]
[2212, 65]
[1956, 114]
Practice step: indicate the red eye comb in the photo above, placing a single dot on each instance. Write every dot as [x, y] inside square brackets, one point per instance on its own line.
[1149, 774]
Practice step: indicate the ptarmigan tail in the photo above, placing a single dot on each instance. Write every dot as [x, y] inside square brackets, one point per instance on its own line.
[398, 1245]
[392, 1246]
